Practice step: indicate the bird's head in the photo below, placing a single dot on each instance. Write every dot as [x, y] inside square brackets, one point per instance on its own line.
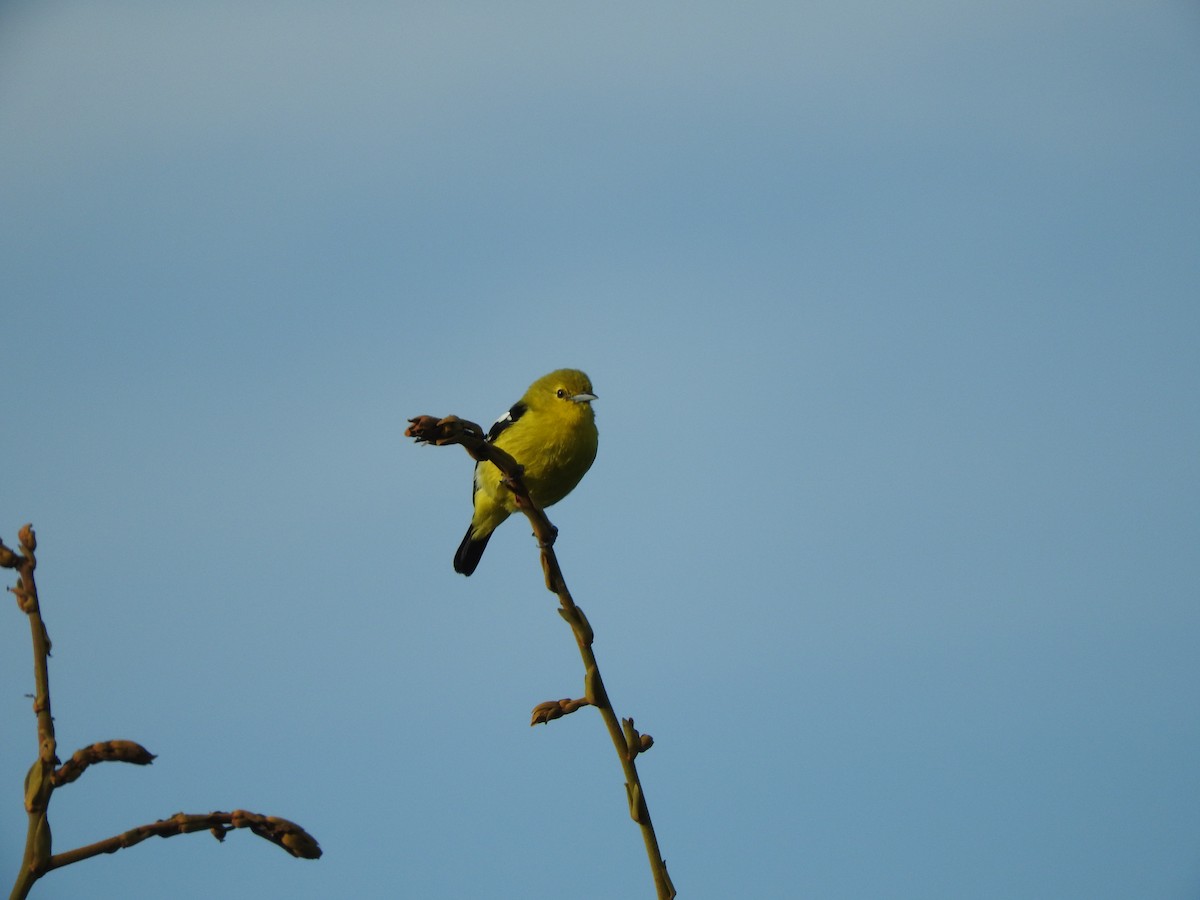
[569, 386]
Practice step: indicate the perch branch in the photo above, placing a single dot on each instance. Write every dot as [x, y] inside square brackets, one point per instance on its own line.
[453, 430]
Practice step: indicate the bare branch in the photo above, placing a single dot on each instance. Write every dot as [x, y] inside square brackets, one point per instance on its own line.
[626, 739]
[288, 835]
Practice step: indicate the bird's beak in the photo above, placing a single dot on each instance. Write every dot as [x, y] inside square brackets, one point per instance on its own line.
[583, 398]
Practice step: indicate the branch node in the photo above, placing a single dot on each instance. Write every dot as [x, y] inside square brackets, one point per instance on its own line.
[594, 687]
[637, 803]
[635, 741]
[579, 624]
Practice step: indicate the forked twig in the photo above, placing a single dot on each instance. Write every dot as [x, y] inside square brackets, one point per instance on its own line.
[46, 775]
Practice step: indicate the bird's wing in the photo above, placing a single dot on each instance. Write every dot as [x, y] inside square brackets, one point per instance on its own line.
[514, 412]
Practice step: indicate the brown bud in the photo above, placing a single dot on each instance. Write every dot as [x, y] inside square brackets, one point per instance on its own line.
[635, 741]
[301, 844]
[554, 709]
[545, 712]
[422, 428]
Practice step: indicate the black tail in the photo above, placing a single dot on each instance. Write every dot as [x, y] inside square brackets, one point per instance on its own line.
[469, 553]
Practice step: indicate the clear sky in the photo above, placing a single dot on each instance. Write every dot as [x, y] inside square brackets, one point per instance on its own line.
[893, 310]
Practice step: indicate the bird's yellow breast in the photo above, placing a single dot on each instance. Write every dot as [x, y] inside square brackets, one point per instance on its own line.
[556, 453]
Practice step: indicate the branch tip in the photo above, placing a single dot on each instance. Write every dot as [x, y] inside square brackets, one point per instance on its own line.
[440, 432]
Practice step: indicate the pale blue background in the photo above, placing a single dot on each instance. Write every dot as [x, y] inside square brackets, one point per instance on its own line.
[892, 543]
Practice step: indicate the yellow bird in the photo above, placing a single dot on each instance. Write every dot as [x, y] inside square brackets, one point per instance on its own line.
[551, 431]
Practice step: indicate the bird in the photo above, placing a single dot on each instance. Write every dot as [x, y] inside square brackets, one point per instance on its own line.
[551, 431]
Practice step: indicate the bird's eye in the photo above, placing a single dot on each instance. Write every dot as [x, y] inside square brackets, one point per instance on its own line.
[560, 393]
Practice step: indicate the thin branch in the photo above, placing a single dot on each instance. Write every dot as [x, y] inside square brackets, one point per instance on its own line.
[39, 782]
[288, 835]
[625, 738]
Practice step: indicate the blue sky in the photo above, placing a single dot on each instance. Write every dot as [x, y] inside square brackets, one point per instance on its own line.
[891, 541]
